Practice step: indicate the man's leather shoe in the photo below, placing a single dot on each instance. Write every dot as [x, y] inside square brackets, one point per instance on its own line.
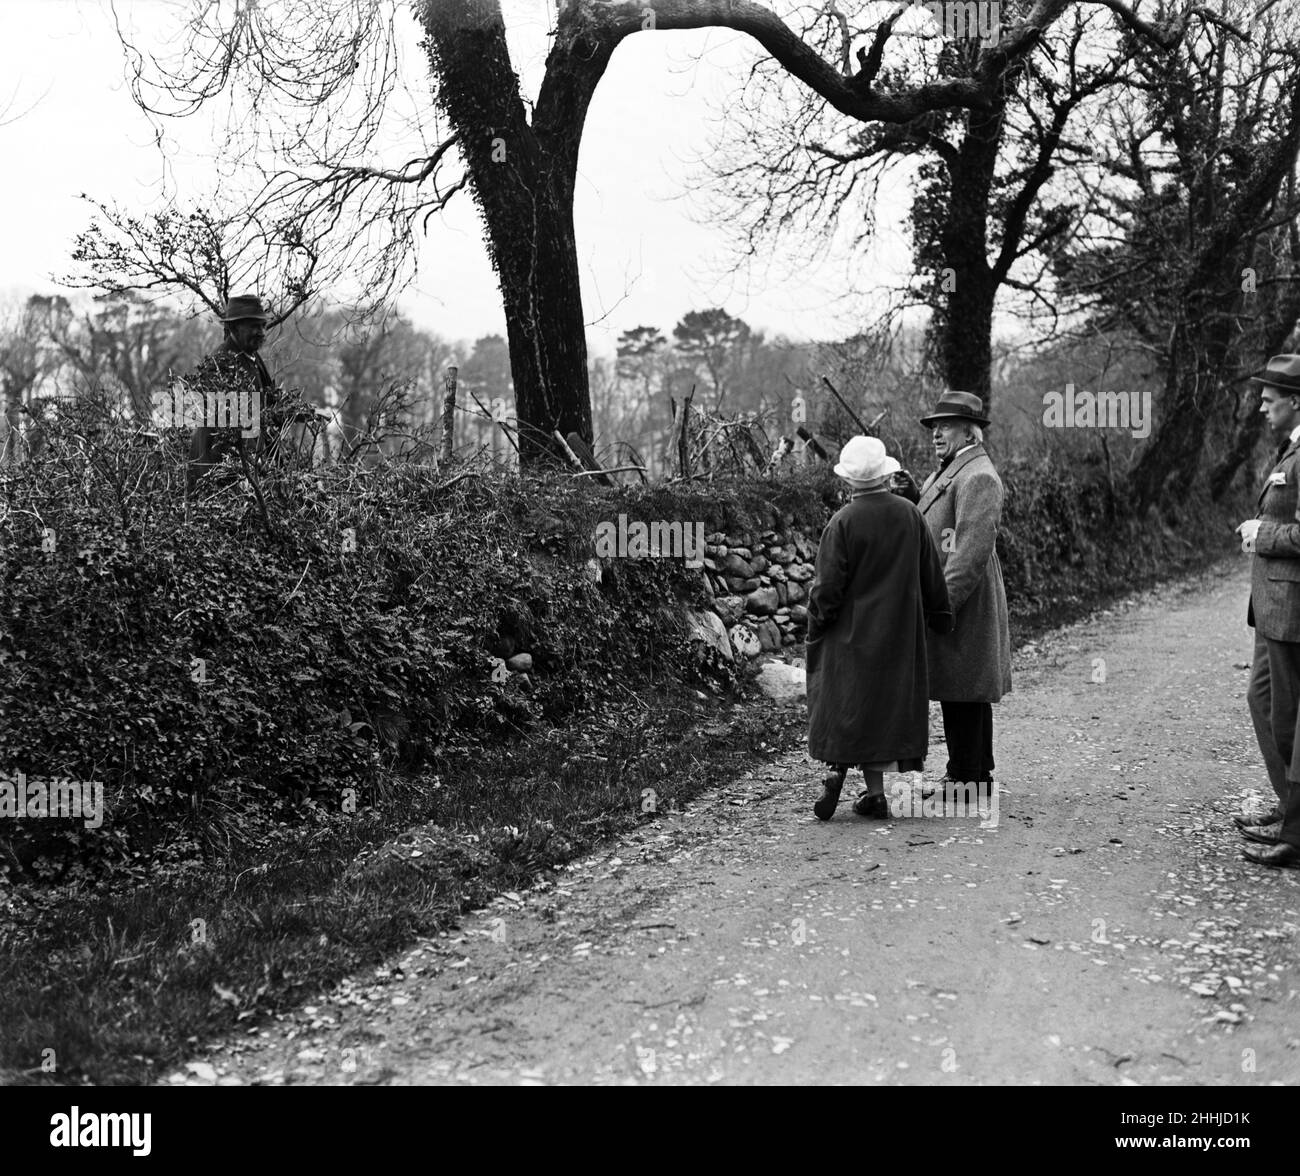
[875, 807]
[1269, 834]
[1283, 855]
[1267, 818]
[830, 797]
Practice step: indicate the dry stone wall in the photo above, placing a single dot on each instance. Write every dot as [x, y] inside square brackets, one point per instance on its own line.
[759, 581]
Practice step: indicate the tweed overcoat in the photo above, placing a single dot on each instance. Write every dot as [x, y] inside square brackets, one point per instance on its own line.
[1274, 608]
[878, 582]
[962, 506]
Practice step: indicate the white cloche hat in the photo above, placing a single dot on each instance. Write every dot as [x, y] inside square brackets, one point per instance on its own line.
[863, 459]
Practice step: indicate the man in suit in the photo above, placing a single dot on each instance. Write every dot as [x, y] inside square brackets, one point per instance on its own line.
[970, 667]
[1273, 540]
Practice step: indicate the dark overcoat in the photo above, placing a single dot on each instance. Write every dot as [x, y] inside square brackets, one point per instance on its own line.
[227, 368]
[878, 582]
[963, 507]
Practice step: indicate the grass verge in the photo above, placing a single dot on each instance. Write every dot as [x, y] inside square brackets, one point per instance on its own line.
[117, 986]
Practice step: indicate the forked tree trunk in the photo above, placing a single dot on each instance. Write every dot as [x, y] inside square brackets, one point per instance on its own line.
[522, 177]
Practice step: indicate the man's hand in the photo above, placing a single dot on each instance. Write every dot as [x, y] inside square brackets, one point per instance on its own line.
[902, 484]
[1248, 531]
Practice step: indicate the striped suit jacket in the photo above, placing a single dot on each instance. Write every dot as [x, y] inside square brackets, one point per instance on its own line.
[1274, 609]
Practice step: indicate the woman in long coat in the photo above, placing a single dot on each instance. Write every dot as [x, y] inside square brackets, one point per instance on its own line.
[879, 582]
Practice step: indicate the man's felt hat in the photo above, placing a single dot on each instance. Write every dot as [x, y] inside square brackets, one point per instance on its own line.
[1282, 371]
[962, 406]
[244, 306]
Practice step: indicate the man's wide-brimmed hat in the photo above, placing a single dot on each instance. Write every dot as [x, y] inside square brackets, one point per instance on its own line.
[962, 406]
[1282, 371]
[863, 459]
[244, 306]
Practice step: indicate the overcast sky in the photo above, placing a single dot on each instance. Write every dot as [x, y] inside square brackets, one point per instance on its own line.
[645, 255]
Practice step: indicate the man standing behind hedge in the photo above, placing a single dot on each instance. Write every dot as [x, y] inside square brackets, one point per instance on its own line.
[970, 667]
[236, 364]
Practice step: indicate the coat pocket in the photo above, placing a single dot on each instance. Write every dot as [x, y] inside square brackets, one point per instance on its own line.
[1282, 569]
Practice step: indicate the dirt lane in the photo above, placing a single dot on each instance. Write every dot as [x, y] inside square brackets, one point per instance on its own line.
[1106, 931]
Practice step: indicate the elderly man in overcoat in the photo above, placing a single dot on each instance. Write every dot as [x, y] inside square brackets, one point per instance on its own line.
[970, 667]
[1273, 538]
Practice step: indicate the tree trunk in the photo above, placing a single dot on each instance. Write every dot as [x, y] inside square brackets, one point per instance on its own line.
[545, 327]
[522, 177]
[966, 326]
[1244, 440]
[1175, 444]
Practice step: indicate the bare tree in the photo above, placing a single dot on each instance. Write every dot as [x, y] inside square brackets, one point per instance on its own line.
[200, 252]
[990, 212]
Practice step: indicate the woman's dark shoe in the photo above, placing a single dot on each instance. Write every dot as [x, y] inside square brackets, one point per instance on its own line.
[830, 797]
[875, 807]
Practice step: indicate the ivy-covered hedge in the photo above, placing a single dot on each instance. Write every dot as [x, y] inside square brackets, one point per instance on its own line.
[221, 672]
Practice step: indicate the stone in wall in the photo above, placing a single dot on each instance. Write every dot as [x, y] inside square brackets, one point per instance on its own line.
[733, 564]
[762, 601]
[730, 608]
[759, 582]
[769, 636]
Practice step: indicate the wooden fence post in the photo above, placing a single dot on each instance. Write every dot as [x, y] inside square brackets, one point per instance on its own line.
[449, 414]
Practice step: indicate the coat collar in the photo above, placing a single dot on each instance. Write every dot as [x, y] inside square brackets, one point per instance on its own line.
[939, 486]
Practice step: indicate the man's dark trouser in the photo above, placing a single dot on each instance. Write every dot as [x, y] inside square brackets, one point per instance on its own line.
[968, 731]
[1274, 700]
